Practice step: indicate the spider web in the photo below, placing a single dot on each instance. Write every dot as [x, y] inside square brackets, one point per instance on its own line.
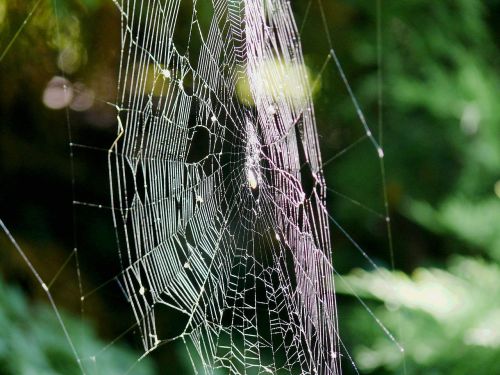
[219, 205]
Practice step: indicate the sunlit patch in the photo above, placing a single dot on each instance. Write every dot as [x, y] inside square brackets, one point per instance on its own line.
[486, 333]
[156, 79]
[3, 12]
[496, 188]
[70, 59]
[58, 93]
[83, 97]
[470, 120]
[275, 79]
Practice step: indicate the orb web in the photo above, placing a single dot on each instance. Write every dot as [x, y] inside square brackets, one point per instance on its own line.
[217, 189]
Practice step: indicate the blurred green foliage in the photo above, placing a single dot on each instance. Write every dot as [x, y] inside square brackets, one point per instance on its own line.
[448, 321]
[32, 342]
[442, 75]
[442, 136]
